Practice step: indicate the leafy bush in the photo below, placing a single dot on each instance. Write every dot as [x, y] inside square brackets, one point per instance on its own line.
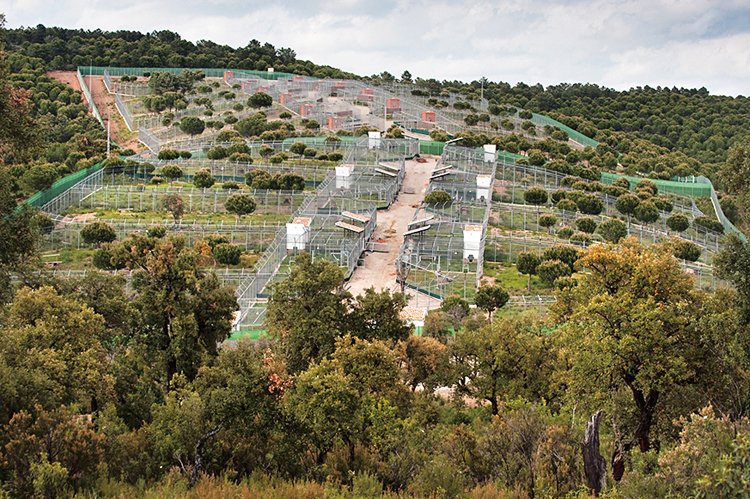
[217, 152]
[227, 254]
[647, 212]
[567, 254]
[564, 233]
[678, 222]
[438, 197]
[586, 224]
[567, 205]
[230, 184]
[549, 270]
[612, 230]
[709, 223]
[686, 250]
[171, 172]
[203, 179]
[590, 205]
[98, 233]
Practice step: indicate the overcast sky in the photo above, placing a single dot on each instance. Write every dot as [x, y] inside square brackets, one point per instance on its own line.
[617, 43]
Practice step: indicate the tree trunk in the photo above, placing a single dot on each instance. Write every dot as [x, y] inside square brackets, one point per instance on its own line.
[646, 408]
[593, 463]
[618, 454]
[198, 464]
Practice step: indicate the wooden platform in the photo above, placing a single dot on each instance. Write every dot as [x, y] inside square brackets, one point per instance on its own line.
[389, 167]
[353, 228]
[417, 230]
[355, 216]
[440, 175]
[421, 220]
[386, 172]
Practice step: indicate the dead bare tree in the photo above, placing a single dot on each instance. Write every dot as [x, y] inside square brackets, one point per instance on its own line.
[593, 463]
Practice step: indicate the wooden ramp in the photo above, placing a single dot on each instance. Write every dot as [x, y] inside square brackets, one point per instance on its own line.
[353, 228]
[389, 167]
[421, 220]
[386, 172]
[417, 230]
[440, 175]
[355, 216]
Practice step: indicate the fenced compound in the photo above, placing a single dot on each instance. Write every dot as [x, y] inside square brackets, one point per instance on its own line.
[443, 250]
[145, 198]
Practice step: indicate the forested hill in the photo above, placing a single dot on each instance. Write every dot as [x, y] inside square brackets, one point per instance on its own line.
[62, 48]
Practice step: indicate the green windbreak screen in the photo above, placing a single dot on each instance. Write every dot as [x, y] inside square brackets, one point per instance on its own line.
[690, 189]
[573, 134]
[210, 72]
[41, 198]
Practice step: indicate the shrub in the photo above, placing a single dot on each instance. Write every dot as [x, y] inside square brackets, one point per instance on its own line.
[730, 208]
[536, 196]
[156, 180]
[647, 185]
[157, 231]
[192, 125]
[98, 233]
[230, 184]
[335, 156]
[647, 212]
[259, 99]
[527, 263]
[565, 233]
[217, 152]
[290, 182]
[590, 205]
[708, 223]
[558, 195]
[686, 250]
[613, 230]
[581, 237]
[173, 203]
[241, 157]
[678, 222]
[549, 270]
[102, 258]
[547, 221]
[567, 254]
[586, 224]
[627, 203]
[185, 154]
[277, 159]
[622, 182]
[227, 254]
[663, 204]
[567, 205]
[168, 154]
[240, 204]
[203, 179]
[171, 172]
[438, 197]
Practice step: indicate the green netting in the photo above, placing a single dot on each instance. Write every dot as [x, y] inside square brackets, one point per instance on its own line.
[317, 141]
[573, 134]
[210, 72]
[41, 198]
[689, 189]
[509, 157]
[252, 334]
[431, 147]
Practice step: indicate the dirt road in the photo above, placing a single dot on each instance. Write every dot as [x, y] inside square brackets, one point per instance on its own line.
[379, 269]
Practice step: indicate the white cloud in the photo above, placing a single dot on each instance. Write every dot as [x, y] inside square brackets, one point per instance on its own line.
[618, 43]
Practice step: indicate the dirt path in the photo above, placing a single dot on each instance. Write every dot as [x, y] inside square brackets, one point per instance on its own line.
[379, 269]
[105, 102]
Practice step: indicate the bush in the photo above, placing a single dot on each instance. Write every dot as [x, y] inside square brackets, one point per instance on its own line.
[260, 99]
[686, 250]
[622, 182]
[185, 154]
[590, 205]
[168, 154]
[230, 184]
[227, 254]
[438, 197]
[565, 233]
[171, 172]
[277, 159]
[157, 231]
[240, 204]
[613, 230]
[156, 180]
[708, 223]
[678, 222]
[567, 205]
[567, 254]
[647, 212]
[558, 195]
[547, 221]
[335, 156]
[663, 204]
[581, 237]
[549, 270]
[730, 208]
[203, 179]
[192, 125]
[290, 182]
[98, 233]
[102, 258]
[647, 185]
[536, 196]
[241, 157]
[217, 152]
[586, 224]
[627, 203]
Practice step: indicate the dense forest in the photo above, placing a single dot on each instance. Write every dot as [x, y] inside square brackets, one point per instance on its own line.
[119, 388]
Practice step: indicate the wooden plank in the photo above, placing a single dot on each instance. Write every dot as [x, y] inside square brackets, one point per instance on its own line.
[385, 172]
[417, 230]
[350, 227]
[421, 220]
[440, 175]
[355, 216]
[442, 168]
[389, 167]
